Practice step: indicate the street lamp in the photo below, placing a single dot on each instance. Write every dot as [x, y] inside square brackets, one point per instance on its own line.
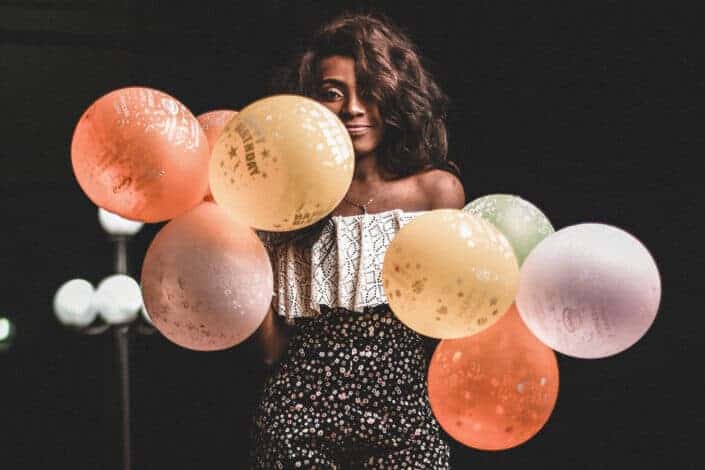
[115, 304]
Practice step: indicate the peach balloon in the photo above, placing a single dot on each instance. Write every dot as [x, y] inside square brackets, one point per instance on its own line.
[283, 163]
[496, 389]
[449, 274]
[212, 124]
[206, 280]
[141, 154]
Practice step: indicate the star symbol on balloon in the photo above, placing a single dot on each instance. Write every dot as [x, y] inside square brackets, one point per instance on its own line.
[265, 153]
[233, 152]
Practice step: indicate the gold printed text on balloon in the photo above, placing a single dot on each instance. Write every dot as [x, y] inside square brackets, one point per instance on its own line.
[248, 143]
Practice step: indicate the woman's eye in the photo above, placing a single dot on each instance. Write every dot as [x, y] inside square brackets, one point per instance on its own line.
[331, 94]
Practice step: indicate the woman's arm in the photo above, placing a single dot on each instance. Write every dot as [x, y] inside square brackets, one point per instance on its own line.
[273, 337]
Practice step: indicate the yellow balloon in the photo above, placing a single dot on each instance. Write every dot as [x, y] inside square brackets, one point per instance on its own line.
[449, 274]
[283, 163]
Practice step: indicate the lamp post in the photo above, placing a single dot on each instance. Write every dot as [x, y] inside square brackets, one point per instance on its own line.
[115, 304]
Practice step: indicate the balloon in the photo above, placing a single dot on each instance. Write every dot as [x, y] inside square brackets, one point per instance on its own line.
[206, 280]
[589, 291]
[496, 389]
[212, 124]
[521, 222]
[73, 303]
[141, 154]
[283, 163]
[118, 299]
[449, 274]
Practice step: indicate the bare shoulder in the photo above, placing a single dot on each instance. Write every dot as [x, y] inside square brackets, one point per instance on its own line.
[442, 189]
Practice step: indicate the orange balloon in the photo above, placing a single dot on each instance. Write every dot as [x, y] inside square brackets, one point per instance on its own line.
[496, 389]
[206, 280]
[141, 154]
[212, 124]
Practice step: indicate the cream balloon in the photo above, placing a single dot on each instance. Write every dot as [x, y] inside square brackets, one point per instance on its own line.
[589, 291]
[449, 274]
[283, 163]
[73, 303]
[118, 299]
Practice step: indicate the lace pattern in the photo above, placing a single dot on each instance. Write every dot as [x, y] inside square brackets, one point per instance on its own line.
[343, 268]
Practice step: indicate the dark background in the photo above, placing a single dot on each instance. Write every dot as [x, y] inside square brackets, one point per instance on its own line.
[593, 110]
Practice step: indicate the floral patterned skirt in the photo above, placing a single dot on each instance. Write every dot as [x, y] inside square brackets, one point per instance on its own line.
[349, 393]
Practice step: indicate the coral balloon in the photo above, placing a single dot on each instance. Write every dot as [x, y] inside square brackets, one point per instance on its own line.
[283, 163]
[496, 389]
[589, 291]
[206, 280]
[139, 153]
[521, 222]
[212, 124]
[449, 274]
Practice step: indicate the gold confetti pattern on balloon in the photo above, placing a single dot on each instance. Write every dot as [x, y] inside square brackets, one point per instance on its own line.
[283, 163]
[449, 274]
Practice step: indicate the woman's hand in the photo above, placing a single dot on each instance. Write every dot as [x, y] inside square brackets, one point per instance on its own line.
[273, 337]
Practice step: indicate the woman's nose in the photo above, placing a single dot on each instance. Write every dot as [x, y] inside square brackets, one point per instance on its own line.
[354, 106]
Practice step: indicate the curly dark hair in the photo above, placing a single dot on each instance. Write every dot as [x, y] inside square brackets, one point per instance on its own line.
[389, 71]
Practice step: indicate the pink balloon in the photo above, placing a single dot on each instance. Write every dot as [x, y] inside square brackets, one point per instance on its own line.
[206, 280]
[589, 291]
[212, 124]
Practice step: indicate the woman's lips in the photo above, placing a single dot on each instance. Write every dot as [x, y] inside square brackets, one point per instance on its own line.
[357, 130]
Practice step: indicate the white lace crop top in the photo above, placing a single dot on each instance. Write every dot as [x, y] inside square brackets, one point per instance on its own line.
[343, 267]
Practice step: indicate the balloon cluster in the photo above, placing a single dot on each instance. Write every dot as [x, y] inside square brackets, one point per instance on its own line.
[281, 163]
[503, 291]
[494, 281]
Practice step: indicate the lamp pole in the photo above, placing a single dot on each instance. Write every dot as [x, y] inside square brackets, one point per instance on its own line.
[122, 340]
[115, 305]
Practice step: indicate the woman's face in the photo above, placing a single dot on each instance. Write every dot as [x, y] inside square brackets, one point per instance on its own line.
[337, 90]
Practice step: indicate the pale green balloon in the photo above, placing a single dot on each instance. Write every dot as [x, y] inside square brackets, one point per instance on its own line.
[521, 222]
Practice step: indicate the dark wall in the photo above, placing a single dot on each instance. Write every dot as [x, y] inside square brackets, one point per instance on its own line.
[592, 110]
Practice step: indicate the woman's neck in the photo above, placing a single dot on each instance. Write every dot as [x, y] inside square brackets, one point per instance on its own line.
[368, 171]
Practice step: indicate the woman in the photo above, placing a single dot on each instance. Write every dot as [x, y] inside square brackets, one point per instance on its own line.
[350, 391]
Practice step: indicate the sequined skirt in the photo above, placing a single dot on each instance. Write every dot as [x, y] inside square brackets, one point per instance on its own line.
[349, 393]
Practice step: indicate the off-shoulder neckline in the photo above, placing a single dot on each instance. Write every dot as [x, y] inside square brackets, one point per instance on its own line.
[357, 216]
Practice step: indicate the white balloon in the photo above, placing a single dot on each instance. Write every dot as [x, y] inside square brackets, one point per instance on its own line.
[117, 225]
[73, 303]
[118, 299]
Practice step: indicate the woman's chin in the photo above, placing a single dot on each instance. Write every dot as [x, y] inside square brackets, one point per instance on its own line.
[362, 151]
